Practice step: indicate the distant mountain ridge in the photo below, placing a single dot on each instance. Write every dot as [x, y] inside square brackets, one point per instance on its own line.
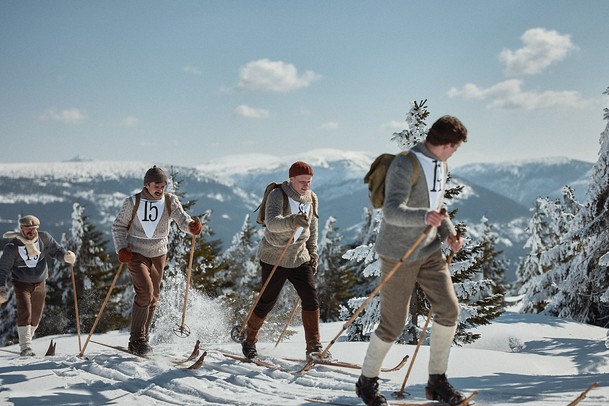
[231, 187]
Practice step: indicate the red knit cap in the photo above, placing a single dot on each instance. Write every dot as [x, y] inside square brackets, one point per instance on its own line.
[300, 168]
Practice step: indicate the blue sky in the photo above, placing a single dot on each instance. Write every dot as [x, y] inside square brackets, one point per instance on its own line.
[186, 82]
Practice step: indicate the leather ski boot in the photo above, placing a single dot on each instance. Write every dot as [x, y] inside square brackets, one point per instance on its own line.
[368, 390]
[438, 388]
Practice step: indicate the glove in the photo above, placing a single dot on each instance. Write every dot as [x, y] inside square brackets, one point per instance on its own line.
[69, 257]
[124, 255]
[3, 294]
[313, 263]
[299, 220]
[195, 226]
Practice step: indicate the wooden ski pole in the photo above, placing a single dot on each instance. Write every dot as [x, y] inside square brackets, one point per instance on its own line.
[76, 306]
[285, 249]
[189, 271]
[288, 322]
[310, 362]
[400, 393]
[101, 310]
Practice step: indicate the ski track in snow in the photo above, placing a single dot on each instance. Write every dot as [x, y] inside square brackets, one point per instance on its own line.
[555, 361]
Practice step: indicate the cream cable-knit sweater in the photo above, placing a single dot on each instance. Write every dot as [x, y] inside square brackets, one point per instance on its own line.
[279, 229]
[135, 239]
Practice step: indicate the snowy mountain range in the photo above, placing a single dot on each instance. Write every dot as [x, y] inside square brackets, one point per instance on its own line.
[231, 187]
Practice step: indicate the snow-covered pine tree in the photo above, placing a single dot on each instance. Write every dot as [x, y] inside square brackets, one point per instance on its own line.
[478, 276]
[93, 274]
[492, 263]
[551, 251]
[239, 265]
[583, 288]
[334, 282]
[365, 268]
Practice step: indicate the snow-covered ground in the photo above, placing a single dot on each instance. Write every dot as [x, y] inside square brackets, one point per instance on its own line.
[520, 359]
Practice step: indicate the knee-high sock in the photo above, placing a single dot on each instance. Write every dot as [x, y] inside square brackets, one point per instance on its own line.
[25, 337]
[377, 350]
[441, 340]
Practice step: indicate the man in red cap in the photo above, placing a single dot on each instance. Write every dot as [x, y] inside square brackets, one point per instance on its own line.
[140, 234]
[291, 224]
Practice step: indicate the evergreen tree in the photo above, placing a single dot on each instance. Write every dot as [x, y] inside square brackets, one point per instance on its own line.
[240, 266]
[549, 258]
[334, 282]
[583, 283]
[93, 275]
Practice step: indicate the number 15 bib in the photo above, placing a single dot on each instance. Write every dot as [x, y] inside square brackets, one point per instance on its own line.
[149, 213]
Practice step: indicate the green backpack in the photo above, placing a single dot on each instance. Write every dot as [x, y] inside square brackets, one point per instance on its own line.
[375, 178]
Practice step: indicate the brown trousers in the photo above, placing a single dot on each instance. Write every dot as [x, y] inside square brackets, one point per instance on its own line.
[433, 276]
[30, 298]
[146, 275]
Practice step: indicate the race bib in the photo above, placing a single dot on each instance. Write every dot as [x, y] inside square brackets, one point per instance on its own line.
[149, 214]
[435, 176]
[297, 207]
[30, 261]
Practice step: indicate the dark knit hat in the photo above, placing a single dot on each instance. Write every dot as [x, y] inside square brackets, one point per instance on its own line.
[155, 174]
[300, 168]
[29, 221]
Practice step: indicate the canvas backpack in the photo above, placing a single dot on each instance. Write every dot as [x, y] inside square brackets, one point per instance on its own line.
[136, 205]
[375, 178]
[261, 209]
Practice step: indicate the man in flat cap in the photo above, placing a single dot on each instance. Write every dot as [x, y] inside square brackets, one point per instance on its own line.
[140, 233]
[24, 259]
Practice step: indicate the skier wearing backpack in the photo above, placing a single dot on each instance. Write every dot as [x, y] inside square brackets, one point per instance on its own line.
[24, 260]
[290, 217]
[408, 209]
[140, 234]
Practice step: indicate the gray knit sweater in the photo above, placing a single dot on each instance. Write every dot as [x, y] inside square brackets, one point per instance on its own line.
[135, 238]
[279, 229]
[404, 212]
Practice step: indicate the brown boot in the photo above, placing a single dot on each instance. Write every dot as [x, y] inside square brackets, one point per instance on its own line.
[310, 322]
[137, 340]
[151, 310]
[251, 336]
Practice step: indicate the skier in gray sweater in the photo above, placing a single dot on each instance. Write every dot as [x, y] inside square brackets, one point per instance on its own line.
[407, 211]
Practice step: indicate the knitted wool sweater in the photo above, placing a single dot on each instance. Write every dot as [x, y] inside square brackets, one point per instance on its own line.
[405, 209]
[134, 238]
[12, 264]
[279, 229]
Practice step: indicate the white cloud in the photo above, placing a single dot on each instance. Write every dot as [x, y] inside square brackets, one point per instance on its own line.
[68, 116]
[130, 121]
[193, 70]
[251, 112]
[508, 95]
[541, 49]
[273, 76]
[331, 125]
